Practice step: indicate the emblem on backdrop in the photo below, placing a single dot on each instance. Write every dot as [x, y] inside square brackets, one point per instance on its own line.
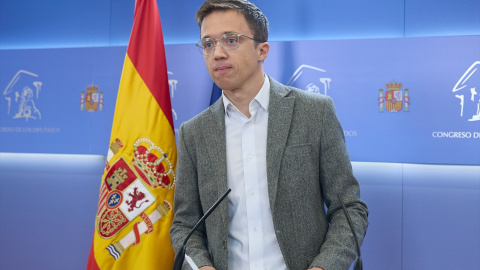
[21, 95]
[394, 99]
[310, 79]
[467, 93]
[92, 100]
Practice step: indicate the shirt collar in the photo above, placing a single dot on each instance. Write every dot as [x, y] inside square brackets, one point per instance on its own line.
[262, 97]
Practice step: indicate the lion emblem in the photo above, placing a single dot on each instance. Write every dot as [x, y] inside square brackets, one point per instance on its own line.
[137, 196]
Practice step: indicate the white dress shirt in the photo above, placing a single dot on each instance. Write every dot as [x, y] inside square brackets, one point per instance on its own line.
[252, 243]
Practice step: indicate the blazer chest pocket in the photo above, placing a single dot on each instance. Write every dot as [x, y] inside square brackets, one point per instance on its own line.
[298, 148]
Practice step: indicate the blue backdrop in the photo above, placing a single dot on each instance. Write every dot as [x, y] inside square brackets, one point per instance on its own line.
[414, 100]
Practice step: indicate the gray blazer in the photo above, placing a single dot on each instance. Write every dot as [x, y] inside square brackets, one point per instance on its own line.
[307, 165]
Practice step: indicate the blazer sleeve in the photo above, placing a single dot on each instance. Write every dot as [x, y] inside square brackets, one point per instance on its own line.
[187, 206]
[336, 176]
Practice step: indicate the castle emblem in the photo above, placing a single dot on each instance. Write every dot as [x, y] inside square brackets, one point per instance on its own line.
[93, 100]
[394, 99]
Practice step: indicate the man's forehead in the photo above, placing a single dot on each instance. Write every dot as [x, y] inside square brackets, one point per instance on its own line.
[221, 22]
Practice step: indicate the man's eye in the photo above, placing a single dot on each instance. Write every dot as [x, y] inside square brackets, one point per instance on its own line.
[208, 45]
[231, 40]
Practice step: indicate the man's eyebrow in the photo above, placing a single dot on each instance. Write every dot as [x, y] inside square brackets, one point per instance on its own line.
[224, 33]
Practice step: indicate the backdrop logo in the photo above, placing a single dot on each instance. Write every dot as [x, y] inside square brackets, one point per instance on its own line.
[310, 79]
[467, 90]
[92, 101]
[394, 100]
[21, 93]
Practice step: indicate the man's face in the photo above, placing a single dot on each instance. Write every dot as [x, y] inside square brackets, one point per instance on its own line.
[237, 69]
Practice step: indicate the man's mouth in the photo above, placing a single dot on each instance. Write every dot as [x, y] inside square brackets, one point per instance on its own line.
[222, 68]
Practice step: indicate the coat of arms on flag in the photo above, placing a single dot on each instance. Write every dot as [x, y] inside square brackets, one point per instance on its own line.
[125, 194]
[394, 99]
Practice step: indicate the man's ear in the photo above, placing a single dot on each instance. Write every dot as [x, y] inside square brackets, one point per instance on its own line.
[263, 50]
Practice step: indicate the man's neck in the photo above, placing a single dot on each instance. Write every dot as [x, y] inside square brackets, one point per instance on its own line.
[241, 98]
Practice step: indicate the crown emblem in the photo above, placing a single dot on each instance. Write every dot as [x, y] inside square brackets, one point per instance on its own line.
[393, 86]
[153, 164]
[92, 88]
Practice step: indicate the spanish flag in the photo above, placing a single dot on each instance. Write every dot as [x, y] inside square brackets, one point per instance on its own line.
[134, 212]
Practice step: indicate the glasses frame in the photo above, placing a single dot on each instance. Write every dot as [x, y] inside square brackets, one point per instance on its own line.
[202, 51]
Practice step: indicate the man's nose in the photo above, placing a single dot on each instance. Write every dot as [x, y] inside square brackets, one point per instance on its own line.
[219, 52]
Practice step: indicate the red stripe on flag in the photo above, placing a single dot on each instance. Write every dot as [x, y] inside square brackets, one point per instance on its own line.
[92, 263]
[147, 53]
[103, 194]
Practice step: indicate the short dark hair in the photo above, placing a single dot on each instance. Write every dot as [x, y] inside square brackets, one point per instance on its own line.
[257, 22]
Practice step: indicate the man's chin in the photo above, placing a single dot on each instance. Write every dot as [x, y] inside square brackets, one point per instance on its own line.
[222, 85]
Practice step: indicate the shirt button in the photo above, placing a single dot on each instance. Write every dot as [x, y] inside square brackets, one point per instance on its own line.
[254, 228]
[249, 157]
[252, 193]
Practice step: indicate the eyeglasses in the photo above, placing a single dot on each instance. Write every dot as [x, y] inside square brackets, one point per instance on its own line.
[230, 41]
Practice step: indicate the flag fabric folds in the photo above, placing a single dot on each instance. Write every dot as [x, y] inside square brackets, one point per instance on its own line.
[134, 212]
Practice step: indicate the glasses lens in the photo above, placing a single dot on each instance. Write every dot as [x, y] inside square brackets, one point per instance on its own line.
[208, 45]
[230, 41]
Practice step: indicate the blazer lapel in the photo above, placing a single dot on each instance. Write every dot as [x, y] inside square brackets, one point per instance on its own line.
[279, 122]
[215, 143]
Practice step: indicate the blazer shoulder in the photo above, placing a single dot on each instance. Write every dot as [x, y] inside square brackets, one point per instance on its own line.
[213, 109]
[308, 96]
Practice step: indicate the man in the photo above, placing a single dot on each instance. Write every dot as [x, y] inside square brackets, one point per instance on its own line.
[279, 149]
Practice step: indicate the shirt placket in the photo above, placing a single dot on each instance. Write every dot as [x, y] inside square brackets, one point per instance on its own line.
[255, 232]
